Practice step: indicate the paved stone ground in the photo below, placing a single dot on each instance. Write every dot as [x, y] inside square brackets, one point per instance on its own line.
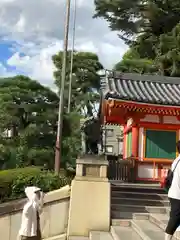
[141, 227]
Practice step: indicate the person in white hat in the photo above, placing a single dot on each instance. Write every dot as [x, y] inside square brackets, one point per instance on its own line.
[30, 224]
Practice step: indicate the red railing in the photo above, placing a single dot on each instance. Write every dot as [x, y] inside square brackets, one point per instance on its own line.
[126, 169]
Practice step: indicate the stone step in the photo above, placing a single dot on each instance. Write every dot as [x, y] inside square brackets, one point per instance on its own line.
[126, 211]
[153, 196]
[139, 201]
[121, 215]
[134, 185]
[78, 238]
[137, 209]
[124, 215]
[121, 222]
[161, 221]
[141, 216]
[58, 237]
[97, 235]
[140, 228]
[147, 230]
[136, 229]
[124, 233]
[155, 190]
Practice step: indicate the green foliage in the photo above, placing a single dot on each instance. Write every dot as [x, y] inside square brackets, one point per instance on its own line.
[7, 177]
[166, 60]
[72, 140]
[85, 81]
[146, 45]
[151, 28]
[131, 17]
[168, 53]
[28, 111]
[14, 181]
[132, 63]
[84, 97]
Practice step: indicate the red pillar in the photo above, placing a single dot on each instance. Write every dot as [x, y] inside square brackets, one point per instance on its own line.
[135, 140]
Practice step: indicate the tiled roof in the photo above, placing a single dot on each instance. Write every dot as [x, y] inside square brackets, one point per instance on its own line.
[142, 88]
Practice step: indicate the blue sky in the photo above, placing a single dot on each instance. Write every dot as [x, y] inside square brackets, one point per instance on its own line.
[33, 35]
[6, 51]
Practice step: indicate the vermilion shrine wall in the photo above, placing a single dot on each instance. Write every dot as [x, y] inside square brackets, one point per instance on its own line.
[151, 169]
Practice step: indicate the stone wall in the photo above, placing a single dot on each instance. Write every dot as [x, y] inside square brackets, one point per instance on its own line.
[54, 219]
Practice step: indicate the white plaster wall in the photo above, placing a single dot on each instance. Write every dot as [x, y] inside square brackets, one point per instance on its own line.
[54, 219]
[150, 118]
[171, 120]
[147, 171]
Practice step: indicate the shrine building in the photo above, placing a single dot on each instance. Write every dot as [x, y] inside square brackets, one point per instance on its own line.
[148, 107]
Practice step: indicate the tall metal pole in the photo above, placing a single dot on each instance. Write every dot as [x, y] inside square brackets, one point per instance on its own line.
[61, 92]
[72, 59]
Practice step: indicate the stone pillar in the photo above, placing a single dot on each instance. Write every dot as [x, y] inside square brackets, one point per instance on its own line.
[90, 197]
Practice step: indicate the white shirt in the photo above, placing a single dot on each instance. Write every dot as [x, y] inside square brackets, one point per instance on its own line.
[174, 191]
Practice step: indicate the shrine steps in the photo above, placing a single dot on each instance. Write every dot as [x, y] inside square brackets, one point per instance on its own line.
[140, 227]
[138, 212]
[135, 198]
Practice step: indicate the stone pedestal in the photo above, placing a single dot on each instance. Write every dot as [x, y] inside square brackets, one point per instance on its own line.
[90, 197]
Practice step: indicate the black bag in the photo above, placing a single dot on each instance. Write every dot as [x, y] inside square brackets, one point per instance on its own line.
[169, 178]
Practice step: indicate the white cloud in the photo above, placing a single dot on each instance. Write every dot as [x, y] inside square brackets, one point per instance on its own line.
[4, 72]
[88, 46]
[37, 29]
[37, 64]
[20, 25]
